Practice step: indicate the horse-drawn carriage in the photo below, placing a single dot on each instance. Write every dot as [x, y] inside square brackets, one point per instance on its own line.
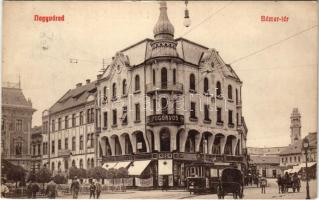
[292, 182]
[231, 182]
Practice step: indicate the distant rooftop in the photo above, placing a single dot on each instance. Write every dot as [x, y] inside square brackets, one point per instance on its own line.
[12, 96]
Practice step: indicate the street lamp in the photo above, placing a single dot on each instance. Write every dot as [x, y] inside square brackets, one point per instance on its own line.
[305, 145]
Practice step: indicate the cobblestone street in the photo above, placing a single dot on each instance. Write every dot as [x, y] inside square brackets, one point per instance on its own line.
[250, 193]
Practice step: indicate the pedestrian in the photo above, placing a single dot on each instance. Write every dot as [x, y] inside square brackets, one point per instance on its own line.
[51, 189]
[98, 188]
[29, 190]
[165, 183]
[4, 189]
[34, 188]
[92, 189]
[263, 184]
[75, 187]
[279, 182]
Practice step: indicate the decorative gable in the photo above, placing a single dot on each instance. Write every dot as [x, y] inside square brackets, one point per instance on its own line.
[118, 63]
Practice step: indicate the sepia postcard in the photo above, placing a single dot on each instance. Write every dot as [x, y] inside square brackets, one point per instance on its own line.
[159, 99]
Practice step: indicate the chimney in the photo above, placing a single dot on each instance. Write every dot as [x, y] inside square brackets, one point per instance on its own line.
[78, 85]
[99, 76]
[88, 81]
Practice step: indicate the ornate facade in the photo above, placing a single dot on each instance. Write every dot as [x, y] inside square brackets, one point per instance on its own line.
[16, 125]
[165, 104]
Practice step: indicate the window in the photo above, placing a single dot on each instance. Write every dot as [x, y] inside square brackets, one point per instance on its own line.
[206, 112]
[3, 125]
[124, 87]
[298, 158]
[66, 122]
[124, 116]
[174, 76]
[59, 144]
[295, 159]
[164, 78]
[53, 125]
[282, 160]
[44, 148]
[104, 95]
[137, 112]
[230, 117]
[230, 92]
[33, 150]
[81, 142]
[92, 140]
[59, 124]
[219, 115]
[154, 77]
[81, 118]
[206, 86]
[88, 115]
[39, 149]
[105, 119]
[114, 117]
[164, 106]
[18, 125]
[92, 115]
[73, 143]
[236, 96]
[174, 106]
[59, 166]
[237, 122]
[66, 164]
[193, 110]
[92, 162]
[66, 143]
[81, 163]
[18, 148]
[73, 120]
[53, 147]
[52, 166]
[154, 106]
[192, 82]
[218, 89]
[73, 163]
[114, 90]
[137, 82]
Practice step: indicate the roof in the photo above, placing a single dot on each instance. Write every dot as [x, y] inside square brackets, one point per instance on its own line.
[264, 150]
[74, 97]
[294, 148]
[14, 97]
[265, 159]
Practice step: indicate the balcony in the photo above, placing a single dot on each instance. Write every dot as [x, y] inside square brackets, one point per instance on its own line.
[167, 119]
[164, 87]
[64, 153]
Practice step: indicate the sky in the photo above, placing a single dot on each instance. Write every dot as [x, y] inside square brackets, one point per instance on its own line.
[277, 61]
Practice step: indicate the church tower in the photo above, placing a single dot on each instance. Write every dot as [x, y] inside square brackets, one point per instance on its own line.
[295, 126]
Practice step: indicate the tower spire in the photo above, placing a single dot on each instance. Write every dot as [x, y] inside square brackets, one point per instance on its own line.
[163, 29]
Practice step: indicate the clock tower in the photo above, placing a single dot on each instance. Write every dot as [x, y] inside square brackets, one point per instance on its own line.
[295, 126]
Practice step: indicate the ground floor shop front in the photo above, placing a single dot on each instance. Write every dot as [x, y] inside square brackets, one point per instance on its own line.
[171, 169]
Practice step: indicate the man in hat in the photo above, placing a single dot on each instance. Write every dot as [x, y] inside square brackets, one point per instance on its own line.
[75, 187]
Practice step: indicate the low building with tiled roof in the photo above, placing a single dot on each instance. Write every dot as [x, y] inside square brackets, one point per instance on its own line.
[16, 125]
[69, 130]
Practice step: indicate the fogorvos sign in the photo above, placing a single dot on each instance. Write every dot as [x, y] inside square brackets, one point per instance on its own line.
[169, 118]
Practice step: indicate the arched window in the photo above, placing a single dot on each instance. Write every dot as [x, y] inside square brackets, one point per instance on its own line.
[205, 85]
[73, 163]
[192, 82]
[88, 163]
[164, 106]
[92, 162]
[164, 78]
[52, 166]
[104, 92]
[218, 89]
[174, 76]
[114, 90]
[124, 87]
[66, 164]
[154, 77]
[81, 163]
[165, 140]
[137, 82]
[230, 92]
[59, 166]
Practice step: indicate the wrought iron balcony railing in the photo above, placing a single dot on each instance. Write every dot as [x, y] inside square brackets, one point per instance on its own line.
[164, 87]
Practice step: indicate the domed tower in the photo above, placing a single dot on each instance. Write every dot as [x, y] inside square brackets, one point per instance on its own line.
[163, 44]
[295, 126]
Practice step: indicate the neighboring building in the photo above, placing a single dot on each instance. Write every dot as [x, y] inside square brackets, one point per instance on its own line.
[267, 165]
[16, 126]
[271, 151]
[166, 104]
[36, 148]
[69, 130]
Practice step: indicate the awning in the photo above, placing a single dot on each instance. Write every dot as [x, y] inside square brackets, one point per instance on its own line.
[165, 167]
[109, 165]
[122, 164]
[310, 164]
[138, 167]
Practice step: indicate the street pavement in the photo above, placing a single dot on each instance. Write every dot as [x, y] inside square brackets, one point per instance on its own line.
[250, 192]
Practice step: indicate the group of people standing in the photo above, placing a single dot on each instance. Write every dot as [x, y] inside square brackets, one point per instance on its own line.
[287, 181]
